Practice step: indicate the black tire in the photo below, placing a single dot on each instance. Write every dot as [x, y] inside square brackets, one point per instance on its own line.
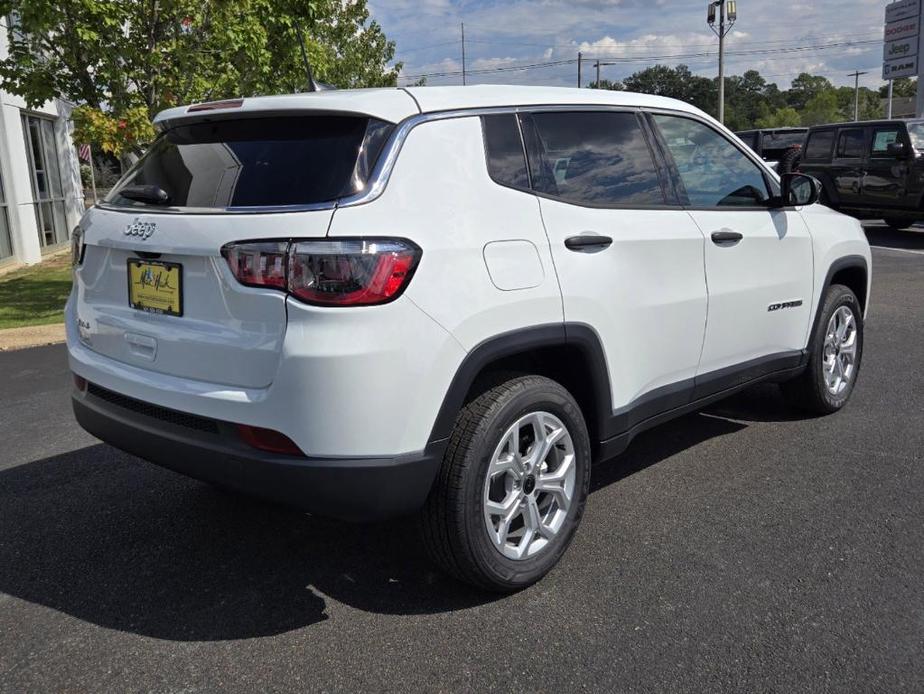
[897, 223]
[452, 521]
[790, 160]
[809, 391]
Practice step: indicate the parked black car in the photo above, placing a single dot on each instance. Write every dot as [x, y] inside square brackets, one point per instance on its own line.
[781, 145]
[870, 169]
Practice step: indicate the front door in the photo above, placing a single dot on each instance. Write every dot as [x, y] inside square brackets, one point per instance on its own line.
[758, 260]
[885, 183]
[630, 264]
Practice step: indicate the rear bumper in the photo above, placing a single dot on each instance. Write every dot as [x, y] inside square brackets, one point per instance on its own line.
[356, 489]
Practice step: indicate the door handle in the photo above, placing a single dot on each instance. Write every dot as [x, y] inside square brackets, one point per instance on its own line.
[726, 238]
[587, 242]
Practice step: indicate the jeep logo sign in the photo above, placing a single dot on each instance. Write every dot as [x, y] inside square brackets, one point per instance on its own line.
[140, 229]
[903, 48]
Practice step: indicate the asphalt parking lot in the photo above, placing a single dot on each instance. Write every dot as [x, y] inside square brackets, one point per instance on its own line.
[739, 549]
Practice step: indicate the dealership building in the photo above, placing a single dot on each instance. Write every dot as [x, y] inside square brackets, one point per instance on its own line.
[41, 195]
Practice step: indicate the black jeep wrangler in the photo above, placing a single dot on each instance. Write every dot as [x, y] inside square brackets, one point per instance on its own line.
[872, 169]
[782, 146]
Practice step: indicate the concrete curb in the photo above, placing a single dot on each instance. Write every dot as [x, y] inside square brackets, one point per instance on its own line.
[31, 336]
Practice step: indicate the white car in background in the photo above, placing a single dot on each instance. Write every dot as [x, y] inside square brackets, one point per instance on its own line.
[449, 301]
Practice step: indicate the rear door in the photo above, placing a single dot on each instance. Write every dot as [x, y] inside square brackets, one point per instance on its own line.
[628, 258]
[758, 260]
[848, 165]
[885, 183]
[154, 290]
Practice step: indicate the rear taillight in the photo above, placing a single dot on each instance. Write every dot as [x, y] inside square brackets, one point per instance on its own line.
[258, 264]
[77, 246]
[330, 272]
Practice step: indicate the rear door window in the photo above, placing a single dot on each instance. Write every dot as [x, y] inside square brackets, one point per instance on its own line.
[259, 162]
[713, 171]
[850, 143]
[597, 159]
[819, 145]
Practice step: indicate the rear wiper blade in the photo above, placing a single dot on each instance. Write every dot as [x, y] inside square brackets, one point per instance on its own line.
[149, 194]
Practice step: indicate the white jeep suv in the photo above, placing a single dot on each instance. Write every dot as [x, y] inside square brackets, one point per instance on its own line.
[449, 301]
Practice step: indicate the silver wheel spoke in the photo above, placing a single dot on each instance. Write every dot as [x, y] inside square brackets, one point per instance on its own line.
[507, 512]
[544, 440]
[555, 482]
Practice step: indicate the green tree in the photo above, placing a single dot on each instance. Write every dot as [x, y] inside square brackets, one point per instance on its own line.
[116, 56]
[781, 118]
[902, 87]
[806, 87]
[607, 84]
[822, 108]
[677, 82]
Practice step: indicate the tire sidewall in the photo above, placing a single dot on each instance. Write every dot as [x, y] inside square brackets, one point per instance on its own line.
[556, 401]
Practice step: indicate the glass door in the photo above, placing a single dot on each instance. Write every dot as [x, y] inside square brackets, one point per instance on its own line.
[6, 243]
[45, 170]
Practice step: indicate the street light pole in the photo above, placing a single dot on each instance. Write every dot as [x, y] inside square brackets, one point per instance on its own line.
[727, 15]
[580, 59]
[856, 93]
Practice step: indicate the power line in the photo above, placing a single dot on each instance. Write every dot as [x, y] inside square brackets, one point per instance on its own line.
[636, 59]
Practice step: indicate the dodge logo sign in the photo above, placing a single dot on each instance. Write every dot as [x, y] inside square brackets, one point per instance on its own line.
[140, 229]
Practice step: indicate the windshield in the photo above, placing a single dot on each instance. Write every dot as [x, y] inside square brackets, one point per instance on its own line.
[258, 162]
[916, 131]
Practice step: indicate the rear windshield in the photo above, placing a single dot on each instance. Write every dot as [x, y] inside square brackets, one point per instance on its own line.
[258, 162]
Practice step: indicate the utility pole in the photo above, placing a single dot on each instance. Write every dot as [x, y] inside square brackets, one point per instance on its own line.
[598, 74]
[856, 93]
[580, 58]
[727, 15]
[463, 54]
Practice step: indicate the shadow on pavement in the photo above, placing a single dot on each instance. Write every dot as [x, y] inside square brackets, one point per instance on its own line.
[120, 543]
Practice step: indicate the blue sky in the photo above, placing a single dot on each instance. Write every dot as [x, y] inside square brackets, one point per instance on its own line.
[780, 38]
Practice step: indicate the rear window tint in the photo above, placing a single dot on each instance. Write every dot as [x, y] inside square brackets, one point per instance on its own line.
[819, 145]
[295, 160]
[506, 159]
[595, 159]
[850, 144]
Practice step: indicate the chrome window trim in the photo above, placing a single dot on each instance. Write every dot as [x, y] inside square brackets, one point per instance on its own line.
[381, 173]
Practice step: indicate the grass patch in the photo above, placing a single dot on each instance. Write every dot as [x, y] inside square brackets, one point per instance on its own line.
[35, 295]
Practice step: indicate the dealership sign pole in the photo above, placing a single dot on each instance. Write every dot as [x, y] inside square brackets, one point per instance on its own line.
[901, 45]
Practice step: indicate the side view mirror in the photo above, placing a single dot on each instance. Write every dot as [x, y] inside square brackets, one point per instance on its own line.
[797, 189]
[896, 149]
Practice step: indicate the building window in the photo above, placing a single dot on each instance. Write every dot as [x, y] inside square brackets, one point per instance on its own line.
[6, 244]
[45, 170]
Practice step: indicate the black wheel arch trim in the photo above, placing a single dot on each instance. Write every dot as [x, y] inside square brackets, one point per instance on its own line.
[578, 335]
[844, 263]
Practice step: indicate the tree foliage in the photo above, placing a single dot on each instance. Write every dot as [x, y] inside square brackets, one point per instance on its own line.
[751, 101]
[126, 57]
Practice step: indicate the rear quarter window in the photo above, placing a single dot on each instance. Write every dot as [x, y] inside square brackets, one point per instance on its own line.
[819, 145]
[259, 162]
[504, 150]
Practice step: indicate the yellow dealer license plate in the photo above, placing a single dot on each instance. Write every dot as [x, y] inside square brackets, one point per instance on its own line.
[155, 287]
